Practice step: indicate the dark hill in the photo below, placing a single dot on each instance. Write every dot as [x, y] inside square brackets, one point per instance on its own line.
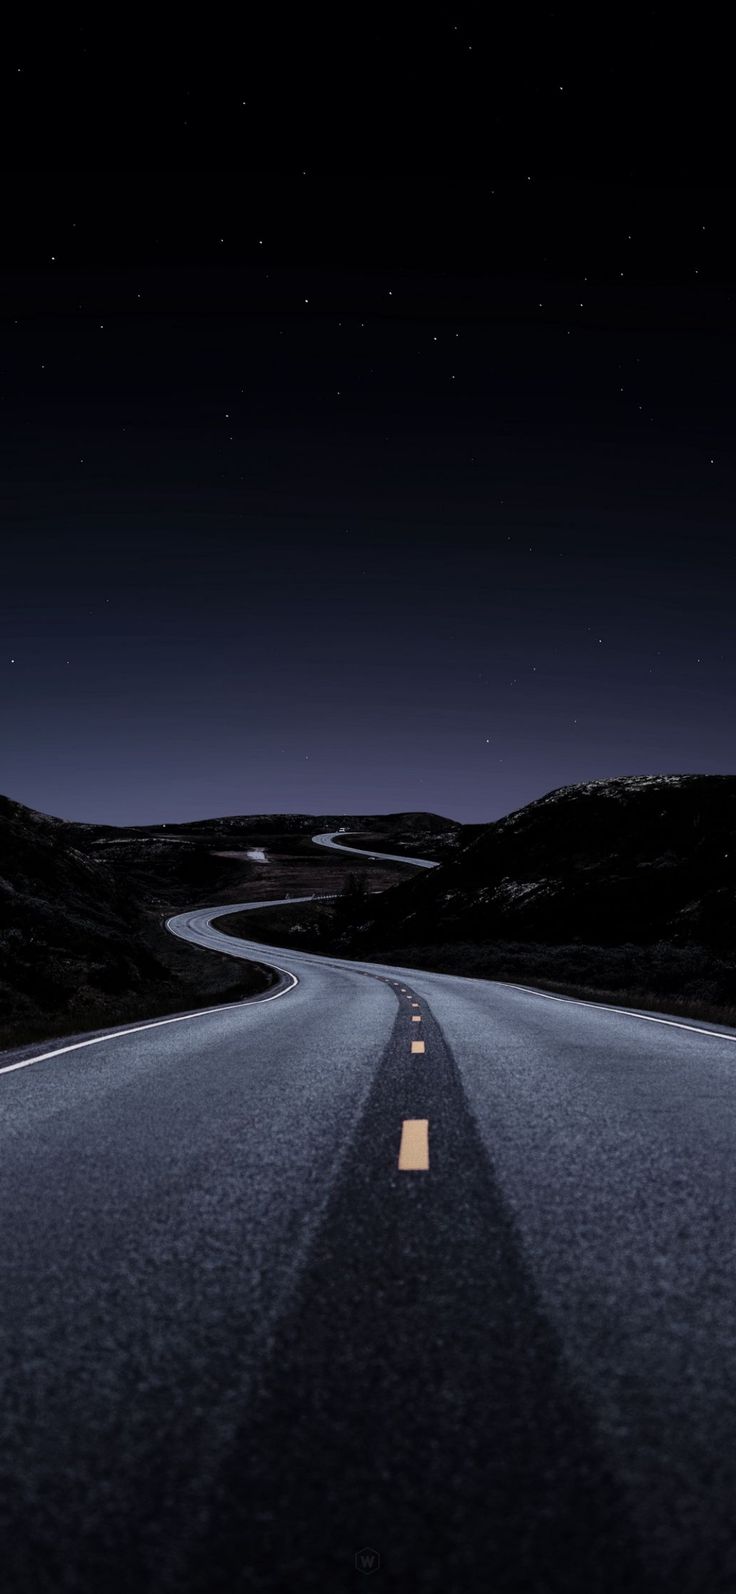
[68, 927]
[639, 858]
[78, 950]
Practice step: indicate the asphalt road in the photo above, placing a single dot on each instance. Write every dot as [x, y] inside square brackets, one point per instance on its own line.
[327, 839]
[240, 1344]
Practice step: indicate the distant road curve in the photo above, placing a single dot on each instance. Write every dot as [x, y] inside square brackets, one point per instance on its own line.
[327, 839]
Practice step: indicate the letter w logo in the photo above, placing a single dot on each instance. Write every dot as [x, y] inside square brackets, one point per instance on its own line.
[367, 1560]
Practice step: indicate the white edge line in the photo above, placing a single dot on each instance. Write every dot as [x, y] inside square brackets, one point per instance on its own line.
[179, 1018]
[628, 1012]
[156, 1023]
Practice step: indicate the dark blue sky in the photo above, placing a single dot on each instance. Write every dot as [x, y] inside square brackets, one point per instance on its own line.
[402, 479]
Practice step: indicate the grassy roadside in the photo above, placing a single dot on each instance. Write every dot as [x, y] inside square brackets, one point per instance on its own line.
[684, 982]
[179, 978]
[649, 1001]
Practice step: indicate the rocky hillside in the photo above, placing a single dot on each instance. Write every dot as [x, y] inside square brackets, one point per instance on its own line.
[68, 927]
[637, 859]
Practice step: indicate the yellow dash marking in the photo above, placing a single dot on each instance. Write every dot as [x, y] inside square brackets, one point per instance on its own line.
[416, 1018]
[414, 1149]
[417, 1046]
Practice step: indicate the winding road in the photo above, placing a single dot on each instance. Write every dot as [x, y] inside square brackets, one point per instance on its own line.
[386, 1272]
[328, 839]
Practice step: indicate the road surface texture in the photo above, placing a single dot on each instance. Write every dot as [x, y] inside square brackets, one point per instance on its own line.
[386, 1274]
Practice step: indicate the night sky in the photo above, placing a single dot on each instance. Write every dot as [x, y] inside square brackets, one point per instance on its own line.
[368, 393]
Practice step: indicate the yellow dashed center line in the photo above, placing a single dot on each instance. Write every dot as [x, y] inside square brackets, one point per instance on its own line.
[417, 1046]
[414, 1149]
